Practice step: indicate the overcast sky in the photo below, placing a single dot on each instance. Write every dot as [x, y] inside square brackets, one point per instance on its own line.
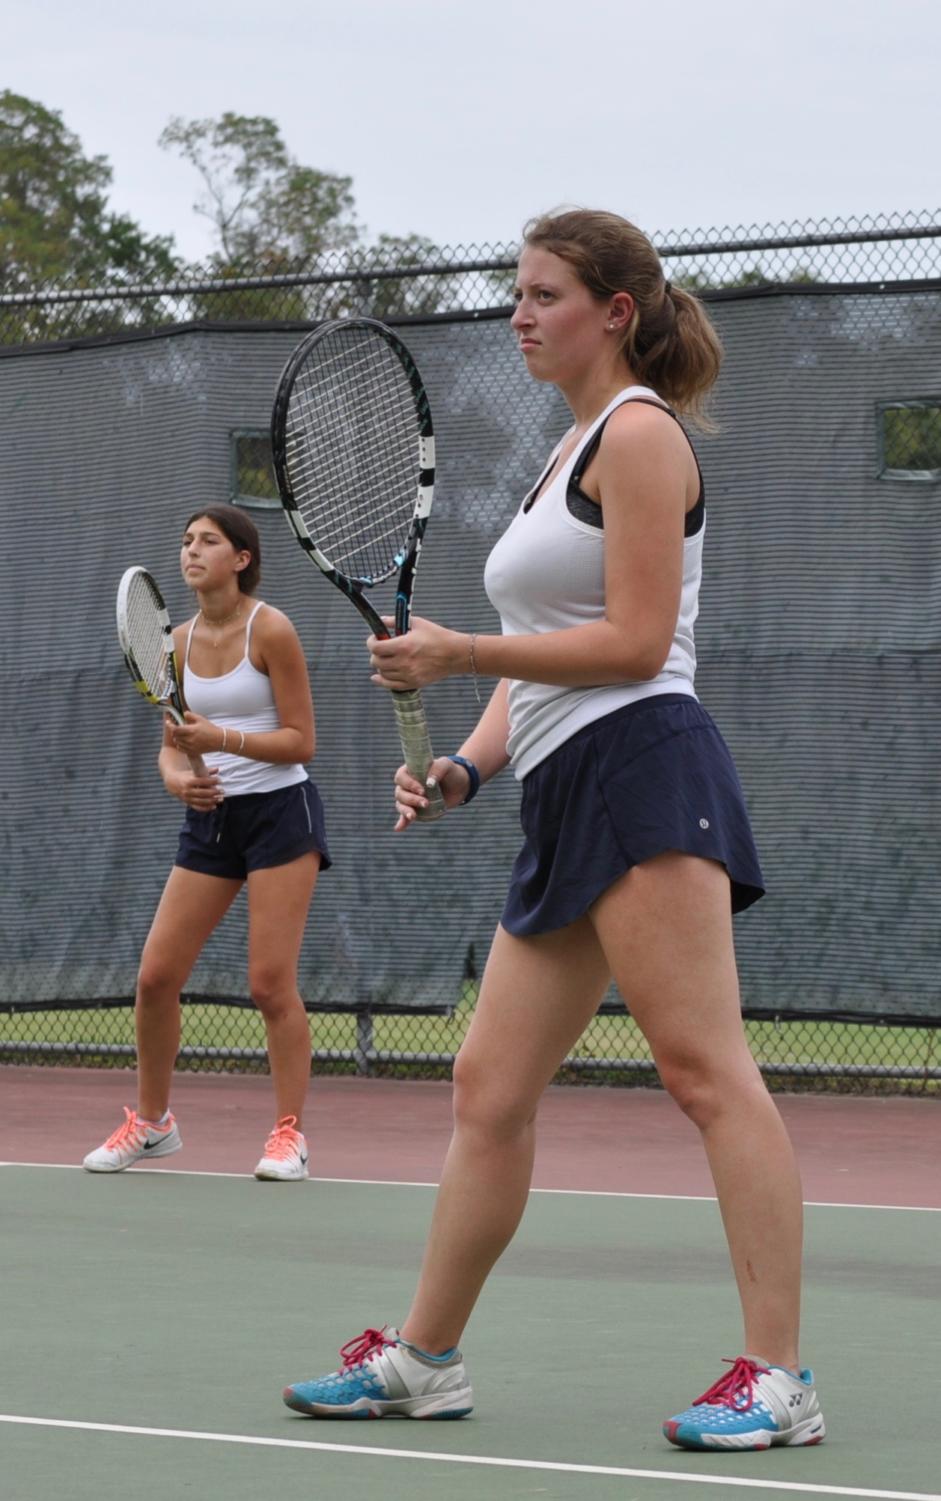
[460, 120]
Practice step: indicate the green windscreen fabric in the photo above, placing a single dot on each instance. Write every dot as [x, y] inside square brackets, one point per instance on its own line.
[818, 642]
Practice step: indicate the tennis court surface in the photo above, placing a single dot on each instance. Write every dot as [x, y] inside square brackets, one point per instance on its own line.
[151, 1318]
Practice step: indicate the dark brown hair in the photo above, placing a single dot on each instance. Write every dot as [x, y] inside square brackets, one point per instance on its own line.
[670, 342]
[242, 533]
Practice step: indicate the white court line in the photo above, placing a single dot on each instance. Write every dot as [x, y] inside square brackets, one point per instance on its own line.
[583, 1193]
[478, 1459]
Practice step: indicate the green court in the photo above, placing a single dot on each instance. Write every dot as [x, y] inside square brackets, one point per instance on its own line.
[150, 1321]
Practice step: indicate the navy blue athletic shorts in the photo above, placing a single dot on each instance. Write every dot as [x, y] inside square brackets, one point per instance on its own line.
[653, 776]
[254, 832]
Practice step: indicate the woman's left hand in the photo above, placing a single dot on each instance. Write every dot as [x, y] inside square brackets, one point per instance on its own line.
[425, 654]
[196, 736]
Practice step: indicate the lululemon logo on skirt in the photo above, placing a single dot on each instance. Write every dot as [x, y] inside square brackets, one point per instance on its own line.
[704, 823]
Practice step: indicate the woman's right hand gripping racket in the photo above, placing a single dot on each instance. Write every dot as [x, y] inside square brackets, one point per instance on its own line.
[354, 456]
[146, 639]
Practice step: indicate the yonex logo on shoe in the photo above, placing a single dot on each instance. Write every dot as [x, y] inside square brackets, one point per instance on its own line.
[795, 1400]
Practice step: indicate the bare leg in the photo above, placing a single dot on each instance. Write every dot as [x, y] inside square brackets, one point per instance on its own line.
[278, 903]
[191, 906]
[667, 929]
[537, 997]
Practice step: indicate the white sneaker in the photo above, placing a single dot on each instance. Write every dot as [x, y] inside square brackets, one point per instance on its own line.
[131, 1142]
[751, 1407]
[383, 1376]
[285, 1156]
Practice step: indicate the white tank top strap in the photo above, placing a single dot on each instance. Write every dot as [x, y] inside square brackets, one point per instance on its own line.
[248, 627]
[189, 637]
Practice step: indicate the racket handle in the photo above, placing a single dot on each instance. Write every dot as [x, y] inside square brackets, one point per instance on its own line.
[197, 764]
[416, 748]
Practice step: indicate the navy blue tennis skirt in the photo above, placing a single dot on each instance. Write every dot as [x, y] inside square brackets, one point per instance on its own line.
[255, 831]
[651, 777]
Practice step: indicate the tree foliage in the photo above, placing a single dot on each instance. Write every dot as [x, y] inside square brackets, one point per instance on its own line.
[269, 212]
[55, 224]
[271, 215]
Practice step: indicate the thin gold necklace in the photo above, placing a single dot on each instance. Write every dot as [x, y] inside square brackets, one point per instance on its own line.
[218, 625]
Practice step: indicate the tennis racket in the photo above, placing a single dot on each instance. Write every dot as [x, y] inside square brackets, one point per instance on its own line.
[354, 457]
[147, 643]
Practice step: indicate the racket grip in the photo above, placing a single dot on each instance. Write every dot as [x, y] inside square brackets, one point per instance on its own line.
[416, 748]
[197, 765]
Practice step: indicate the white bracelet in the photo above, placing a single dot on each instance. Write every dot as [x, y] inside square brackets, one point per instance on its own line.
[473, 663]
[225, 734]
[241, 742]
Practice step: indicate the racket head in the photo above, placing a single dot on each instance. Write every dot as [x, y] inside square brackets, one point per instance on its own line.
[146, 639]
[353, 448]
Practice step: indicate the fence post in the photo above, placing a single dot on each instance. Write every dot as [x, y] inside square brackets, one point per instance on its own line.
[364, 1040]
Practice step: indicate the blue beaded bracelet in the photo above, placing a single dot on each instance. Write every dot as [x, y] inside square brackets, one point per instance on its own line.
[474, 775]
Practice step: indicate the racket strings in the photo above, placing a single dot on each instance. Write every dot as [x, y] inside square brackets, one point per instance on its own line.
[147, 634]
[352, 452]
[357, 489]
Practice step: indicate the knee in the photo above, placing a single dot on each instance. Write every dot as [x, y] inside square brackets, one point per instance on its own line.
[705, 1089]
[271, 990]
[156, 981]
[485, 1106]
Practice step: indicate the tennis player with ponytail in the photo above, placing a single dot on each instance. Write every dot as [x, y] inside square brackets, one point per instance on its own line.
[255, 820]
[637, 849]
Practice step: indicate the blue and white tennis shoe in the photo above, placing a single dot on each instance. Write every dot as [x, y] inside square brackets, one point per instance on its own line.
[753, 1406]
[383, 1376]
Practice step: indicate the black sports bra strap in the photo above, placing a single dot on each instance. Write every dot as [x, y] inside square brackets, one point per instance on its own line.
[591, 448]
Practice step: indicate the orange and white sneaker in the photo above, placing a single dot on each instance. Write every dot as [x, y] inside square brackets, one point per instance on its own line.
[135, 1140]
[285, 1156]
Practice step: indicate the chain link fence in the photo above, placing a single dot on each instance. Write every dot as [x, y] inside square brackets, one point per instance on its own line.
[843, 1054]
[869, 1050]
[470, 280]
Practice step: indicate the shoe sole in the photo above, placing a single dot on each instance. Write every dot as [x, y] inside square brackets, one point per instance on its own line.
[448, 1405]
[270, 1177]
[161, 1150]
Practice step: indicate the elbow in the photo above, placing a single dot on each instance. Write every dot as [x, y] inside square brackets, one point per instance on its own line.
[647, 666]
[639, 654]
[644, 663]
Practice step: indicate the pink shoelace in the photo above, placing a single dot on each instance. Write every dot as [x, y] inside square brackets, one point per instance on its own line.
[283, 1141]
[736, 1389]
[132, 1130]
[371, 1342]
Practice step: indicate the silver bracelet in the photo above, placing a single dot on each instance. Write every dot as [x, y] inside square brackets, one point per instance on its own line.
[473, 663]
[225, 736]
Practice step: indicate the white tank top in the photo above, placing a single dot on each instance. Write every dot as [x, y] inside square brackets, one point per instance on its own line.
[546, 573]
[239, 700]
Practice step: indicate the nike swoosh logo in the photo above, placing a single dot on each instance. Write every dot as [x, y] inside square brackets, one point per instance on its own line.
[149, 1145]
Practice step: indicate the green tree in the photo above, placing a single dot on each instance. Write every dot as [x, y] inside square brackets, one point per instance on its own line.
[270, 213]
[56, 226]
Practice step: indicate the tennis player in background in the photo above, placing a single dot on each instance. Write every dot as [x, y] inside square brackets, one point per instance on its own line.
[637, 848]
[255, 821]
